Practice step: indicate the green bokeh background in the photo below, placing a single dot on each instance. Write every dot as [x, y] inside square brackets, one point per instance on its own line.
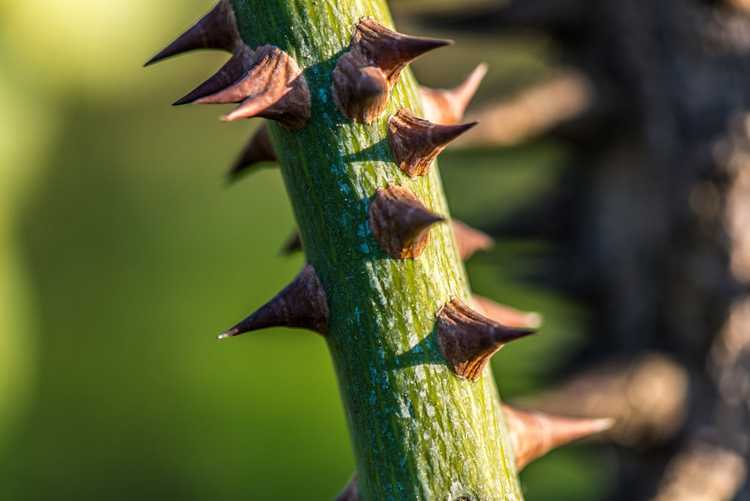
[123, 253]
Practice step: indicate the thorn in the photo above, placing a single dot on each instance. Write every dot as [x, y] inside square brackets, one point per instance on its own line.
[365, 74]
[468, 339]
[389, 50]
[506, 315]
[267, 82]
[400, 222]
[232, 71]
[258, 149]
[415, 142]
[293, 244]
[470, 240]
[216, 30]
[535, 434]
[350, 492]
[359, 89]
[447, 106]
[301, 304]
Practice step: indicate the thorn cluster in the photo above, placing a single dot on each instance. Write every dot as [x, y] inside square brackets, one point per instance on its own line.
[267, 82]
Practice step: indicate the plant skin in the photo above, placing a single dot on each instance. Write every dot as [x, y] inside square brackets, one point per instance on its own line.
[384, 283]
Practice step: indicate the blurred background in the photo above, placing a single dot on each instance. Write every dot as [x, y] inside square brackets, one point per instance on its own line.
[609, 168]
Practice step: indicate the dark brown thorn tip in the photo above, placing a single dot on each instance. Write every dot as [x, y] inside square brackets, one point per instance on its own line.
[258, 149]
[470, 240]
[389, 50]
[400, 222]
[447, 106]
[216, 30]
[270, 85]
[301, 304]
[535, 434]
[416, 142]
[506, 315]
[293, 244]
[468, 340]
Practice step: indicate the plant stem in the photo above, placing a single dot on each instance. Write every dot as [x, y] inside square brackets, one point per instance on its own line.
[419, 432]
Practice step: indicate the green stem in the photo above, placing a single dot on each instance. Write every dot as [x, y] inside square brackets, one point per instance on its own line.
[419, 432]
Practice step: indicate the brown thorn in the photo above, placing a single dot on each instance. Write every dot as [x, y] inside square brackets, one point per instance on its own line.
[301, 304]
[232, 71]
[535, 434]
[470, 240]
[359, 89]
[389, 50]
[468, 340]
[365, 74]
[447, 106]
[400, 222]
[271, 85]
[216, 30]
[258, 149]
[415, 142]
[351, 491]
[275, 89]
[506, 315]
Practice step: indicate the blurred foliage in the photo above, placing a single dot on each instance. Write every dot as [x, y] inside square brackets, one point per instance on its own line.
[122, 253]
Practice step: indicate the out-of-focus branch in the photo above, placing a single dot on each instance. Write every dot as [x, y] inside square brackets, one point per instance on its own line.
[702, 473]
[531, 112]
